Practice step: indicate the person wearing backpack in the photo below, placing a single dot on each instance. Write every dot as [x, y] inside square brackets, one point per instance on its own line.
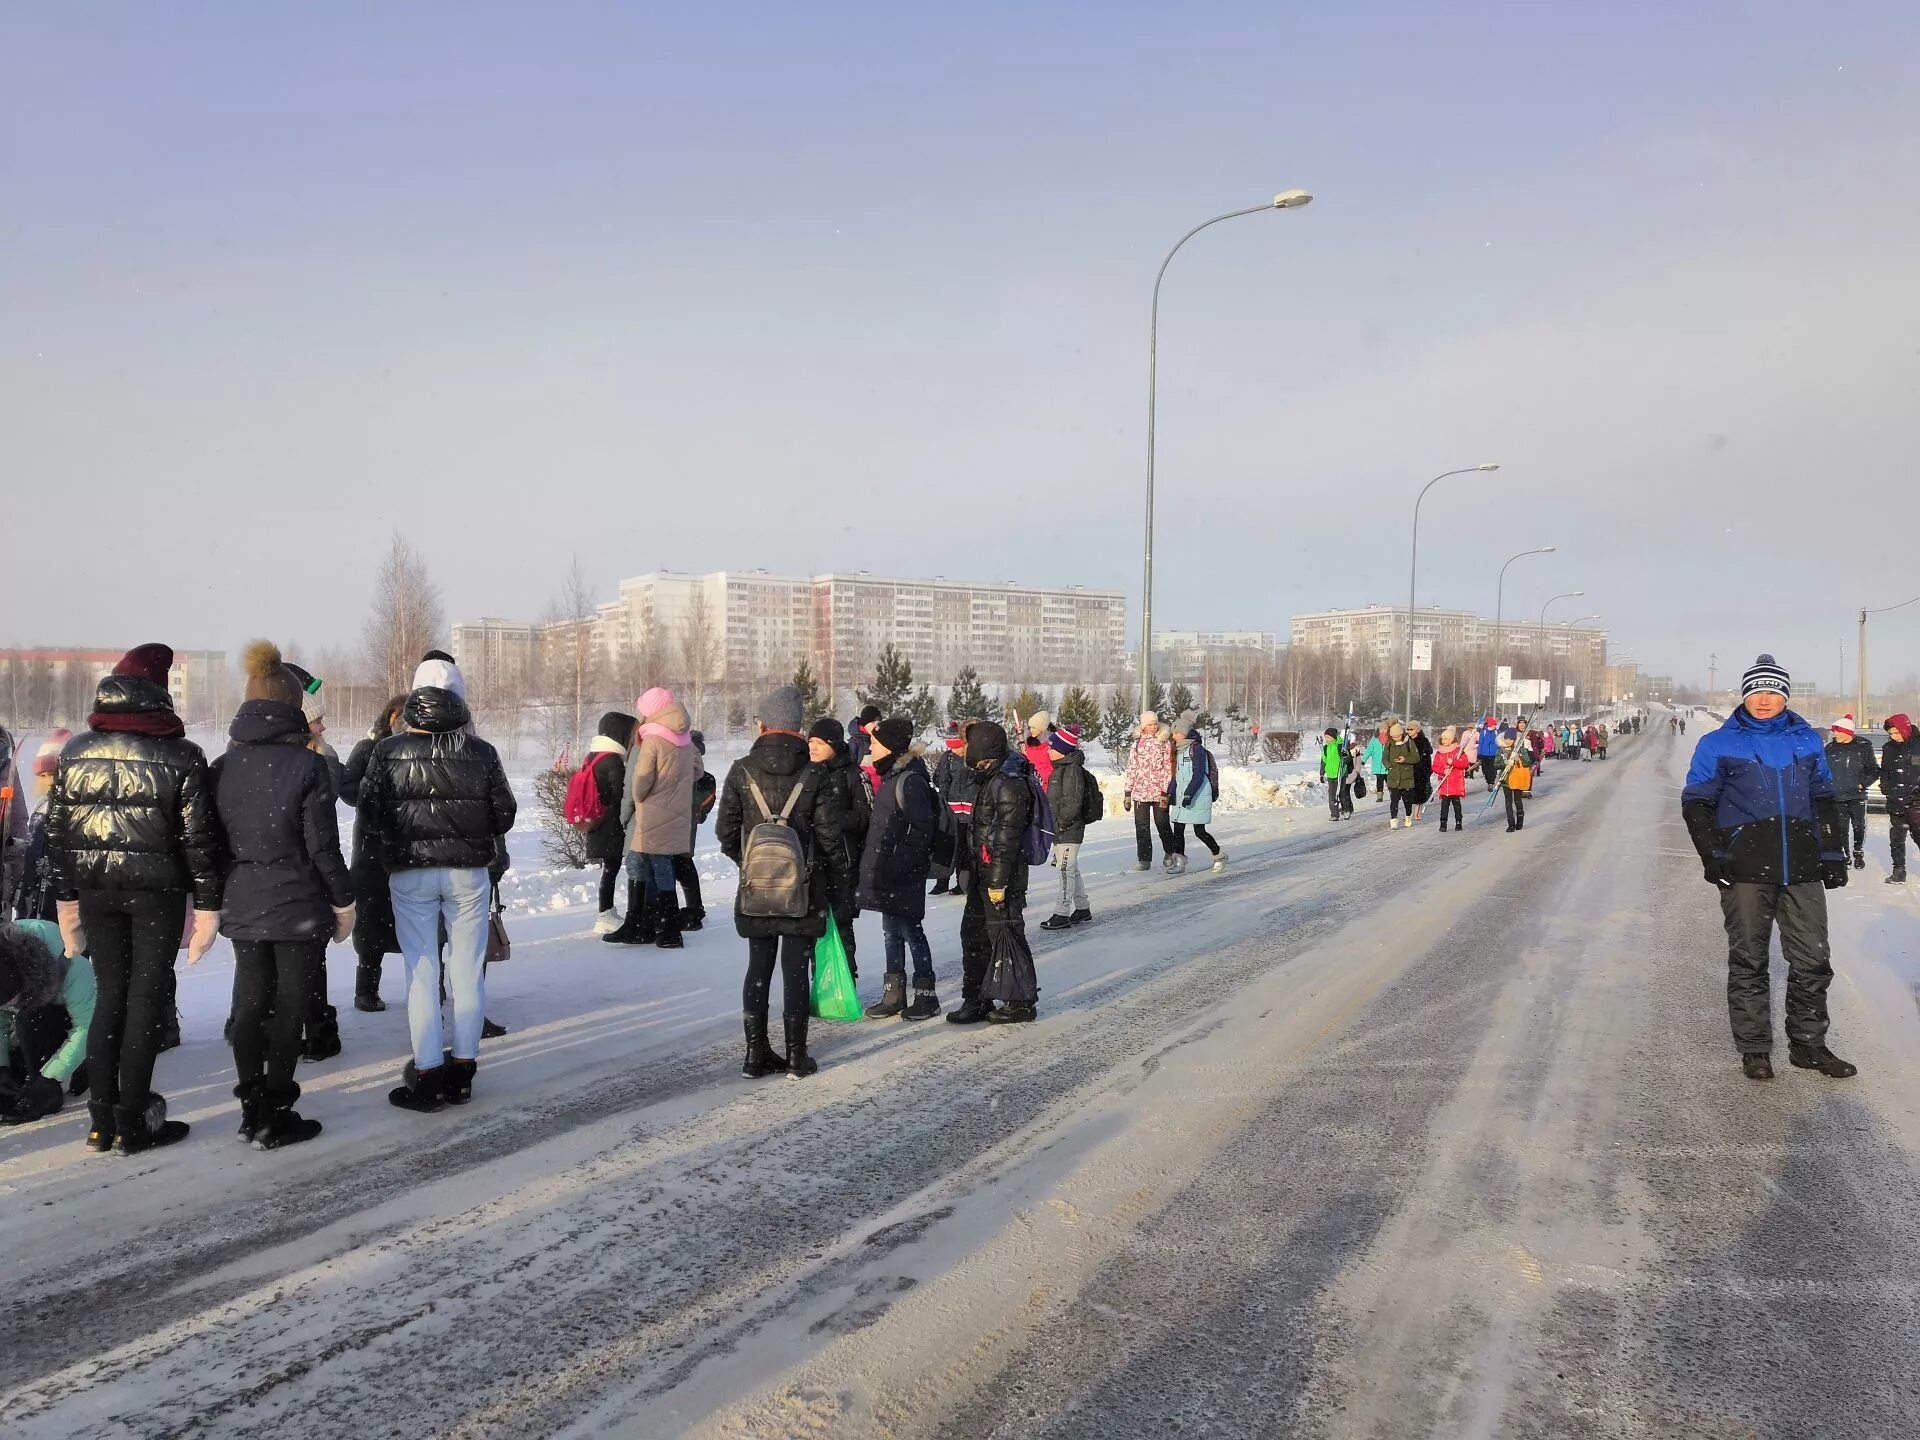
[779, 821]
[1077, 802]
[893, 867]
[956, 785]
[693, 914]
[994, 918]
[827, 748]
[593, 806]
[1196, 785]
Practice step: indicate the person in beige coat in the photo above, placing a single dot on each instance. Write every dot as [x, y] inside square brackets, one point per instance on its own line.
[659, 806]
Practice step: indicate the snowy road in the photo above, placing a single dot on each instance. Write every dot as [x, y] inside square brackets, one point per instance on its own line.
[1372, 1135]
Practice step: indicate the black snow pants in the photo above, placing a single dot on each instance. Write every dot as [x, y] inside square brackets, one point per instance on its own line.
[272, 979]
[978, 922]
[1854, 812]
[1143, 829]
[1897, 835]
[133, 936]
[1751, 911]
[1490, 767]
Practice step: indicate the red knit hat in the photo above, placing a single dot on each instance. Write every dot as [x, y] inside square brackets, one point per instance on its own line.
[147, 662]
[1844, 725]
[46, 759]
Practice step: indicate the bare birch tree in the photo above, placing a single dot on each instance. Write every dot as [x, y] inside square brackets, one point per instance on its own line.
[699, 651]
[407, 619]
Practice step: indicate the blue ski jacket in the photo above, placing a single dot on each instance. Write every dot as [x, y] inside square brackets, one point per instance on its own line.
[1759, 799]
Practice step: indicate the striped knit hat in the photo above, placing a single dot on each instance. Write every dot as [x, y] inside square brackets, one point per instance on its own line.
[1065, 739]
[1765, 673]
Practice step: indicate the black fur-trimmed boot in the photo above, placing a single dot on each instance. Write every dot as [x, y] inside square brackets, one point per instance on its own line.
[458, 1085]
[420, 1090]
[280, 1124]
[250, 1094]
[145, 1127]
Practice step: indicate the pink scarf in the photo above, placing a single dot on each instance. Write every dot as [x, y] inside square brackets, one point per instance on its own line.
[681, 738]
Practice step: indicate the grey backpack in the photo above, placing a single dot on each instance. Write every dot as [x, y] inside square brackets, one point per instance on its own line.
[775, 873]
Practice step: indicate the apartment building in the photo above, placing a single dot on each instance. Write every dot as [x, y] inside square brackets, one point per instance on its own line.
[1378, 633]
[44, 686]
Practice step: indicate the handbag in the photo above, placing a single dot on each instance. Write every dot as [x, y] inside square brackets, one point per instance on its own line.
[499, 944]
[1519, 778]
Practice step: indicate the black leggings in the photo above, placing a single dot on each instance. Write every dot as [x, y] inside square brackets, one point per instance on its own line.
[132, 936]
[795, 954]
[687, 876]
[610, 869]
[270, 980]
[1200, 831]
[1402, 800]
[1516, 806]
[1451, 802]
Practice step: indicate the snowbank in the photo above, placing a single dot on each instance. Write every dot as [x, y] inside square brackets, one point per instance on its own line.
[1242, 787]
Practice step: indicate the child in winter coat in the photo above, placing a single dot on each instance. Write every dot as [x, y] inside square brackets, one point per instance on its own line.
[993, 924]
[1335, 766]
[1516, 780]
[32, 897]
[1194, 789]
[1038, 750]
[46, 1005]
[693, 914]
[827, 748]
[1149, 778]
[1377, 764]
[606, 837]
[893, 867]
[664, 768]
[1403, 760]
[1451, 766]
[1075, 797]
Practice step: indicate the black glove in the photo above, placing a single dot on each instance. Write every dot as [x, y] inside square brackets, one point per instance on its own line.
[1833, 874]
[39, 1098]
[1716, 872]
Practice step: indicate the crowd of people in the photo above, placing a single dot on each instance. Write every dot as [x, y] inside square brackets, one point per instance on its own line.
[1406, 770]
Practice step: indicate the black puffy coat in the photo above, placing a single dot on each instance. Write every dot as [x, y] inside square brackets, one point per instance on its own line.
[274, 796]
[1001, 813]
[1854, 768]
[899, 845]
[131, 811]
[354, 770]
[1067, 790]
[1900, 773]
[373, 932]
[846, 779]
[777, 763]
[436, 797]
[954, 781]
[607, 837]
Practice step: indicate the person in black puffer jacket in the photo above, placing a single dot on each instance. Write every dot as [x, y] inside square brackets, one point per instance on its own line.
[1854, 768]
[132, 836]
[373, 937]
[437, 805]
[778, 765]
[956, 785]
[827, 747]
[893, 867]
[287, 890]
[1073, 792]
[994, 917]
[1900, 783]
[606, 838]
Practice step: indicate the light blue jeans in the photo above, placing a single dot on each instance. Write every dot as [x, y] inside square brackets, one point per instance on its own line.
[420, 897]
[653, 874]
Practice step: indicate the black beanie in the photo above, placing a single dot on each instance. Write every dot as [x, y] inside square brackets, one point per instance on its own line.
[869, 714]
[986, 741]
[617, 726]
[830, 730]
[437, 655]
[896, 733]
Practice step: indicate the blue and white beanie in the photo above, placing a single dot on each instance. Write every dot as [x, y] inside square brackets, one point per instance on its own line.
[1765, 674]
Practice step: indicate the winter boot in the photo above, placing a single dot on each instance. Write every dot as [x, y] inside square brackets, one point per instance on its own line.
[692, 917]
[1818, 1057]
[1757, 1064]
[1012, 1015]
[639, 928]
[1081, 917]
[1143, 865]
[1220, 860]
[893, 999]
[1057, 922]
[145, 1127]
[99, 1126]
[971, 1012]
[1176, 864]
[251, 1095]
[1859, 859]
[280, 1124]
[323, 1035]
[940, 886]
[799, 1063]
[491, 1029]
[36, 1099]
[926, 1005]
[366, 988]
[762, 1059]
[606, 922]
[1898, 877]
[667, 932]
[457, 1087]
[419, 1089]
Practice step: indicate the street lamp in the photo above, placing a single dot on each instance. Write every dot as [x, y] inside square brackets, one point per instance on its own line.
[1498, 605]
[1860, 715]
[1540, 633]
[1285, 200]
[1413, 566]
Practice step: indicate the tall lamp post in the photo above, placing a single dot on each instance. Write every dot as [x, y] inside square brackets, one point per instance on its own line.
[1285, 200]
[1586, 659]
[1540, 634]
[1860, 715]
[1413, 567]
[1499, 603]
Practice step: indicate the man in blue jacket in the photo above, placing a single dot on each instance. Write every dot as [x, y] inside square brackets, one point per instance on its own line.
[1759, 805]
[1488, 752]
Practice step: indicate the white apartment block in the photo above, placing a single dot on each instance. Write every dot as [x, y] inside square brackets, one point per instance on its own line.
[1379, 633]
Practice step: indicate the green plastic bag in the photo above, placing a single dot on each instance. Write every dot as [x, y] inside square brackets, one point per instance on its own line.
[834, 997]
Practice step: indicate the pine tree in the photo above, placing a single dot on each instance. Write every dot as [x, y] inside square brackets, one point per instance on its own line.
[1079, 709]
[892, 683]
[1028, 701]
[815, 704]
[967, 701]
[1157, 702]
[1117, 724]
[924, 710]
[1180, 702]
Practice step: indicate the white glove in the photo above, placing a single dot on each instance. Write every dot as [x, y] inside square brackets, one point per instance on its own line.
[71, 933]
[206, 929]
[342, 924]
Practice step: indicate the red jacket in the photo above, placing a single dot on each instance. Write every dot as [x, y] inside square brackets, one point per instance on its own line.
[1039, 755]
[1452, 767]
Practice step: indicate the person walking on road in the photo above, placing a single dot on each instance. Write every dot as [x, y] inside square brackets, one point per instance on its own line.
[1149, 776]
[1451, 765]
[1516, 779]
[1196, 785]
[1900, 783]
[1335, 767]
[1075, 796]
[1377, 764]
[1759, 807]
[1854, 768]
[1487, 751]
[1423, 771]
[1403, 760]
[784, 904]
[133, 838]
[288, 892]
[893, 868]
[437, 804]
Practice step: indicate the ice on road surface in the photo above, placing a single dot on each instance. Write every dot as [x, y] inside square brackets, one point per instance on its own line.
[1375, 1133]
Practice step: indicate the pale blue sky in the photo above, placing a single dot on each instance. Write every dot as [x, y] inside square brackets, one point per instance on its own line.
[855, 286]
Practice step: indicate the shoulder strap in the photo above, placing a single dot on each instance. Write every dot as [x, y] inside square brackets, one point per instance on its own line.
[793, 799]
[766, 810]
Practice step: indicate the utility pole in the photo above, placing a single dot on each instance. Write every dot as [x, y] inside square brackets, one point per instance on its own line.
[1713, 676]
